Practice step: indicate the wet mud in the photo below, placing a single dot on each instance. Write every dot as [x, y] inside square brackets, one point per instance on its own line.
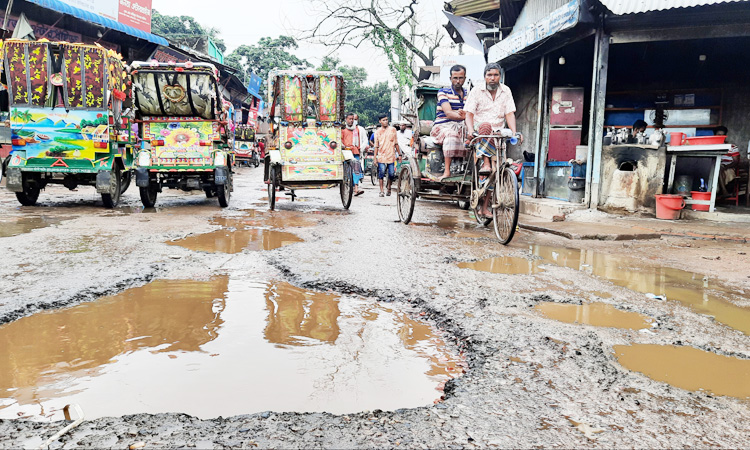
[530, 381]
[659, 283]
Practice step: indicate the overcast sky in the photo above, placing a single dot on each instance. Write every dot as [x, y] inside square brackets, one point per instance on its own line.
[247, 21]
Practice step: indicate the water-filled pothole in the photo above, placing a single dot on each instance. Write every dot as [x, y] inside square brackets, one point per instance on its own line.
[596, 314]
[254, 231]
[21, 225]
[688, 368]
[220, 347]
[511, 265]
[691, 289]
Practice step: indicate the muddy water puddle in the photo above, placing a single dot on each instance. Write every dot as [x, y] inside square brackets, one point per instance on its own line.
[20, 225]
[660, 283]
[511, 265]
[596, 314]
[688, 368]
[254, 231]
[220, 347]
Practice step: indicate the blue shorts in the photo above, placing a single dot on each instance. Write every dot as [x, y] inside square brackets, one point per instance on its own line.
[391, 167]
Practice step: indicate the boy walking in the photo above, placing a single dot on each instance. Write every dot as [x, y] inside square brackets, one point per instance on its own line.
[386, 146]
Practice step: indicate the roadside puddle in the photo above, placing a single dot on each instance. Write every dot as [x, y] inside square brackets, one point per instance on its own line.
[511, 265]
[688, 368]
[220, 347]
[448, 223]
[20, 225]
[254, 231]
[692, 289]
[596, 314]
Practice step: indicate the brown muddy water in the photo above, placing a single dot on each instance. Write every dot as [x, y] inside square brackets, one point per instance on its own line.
[20, 225]
[596, 314]
[688, 368]
[691, 289]
[220, 347]
[255, 231]
[511, 265]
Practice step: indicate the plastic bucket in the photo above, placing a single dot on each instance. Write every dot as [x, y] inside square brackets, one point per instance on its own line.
[668, 206]
[705, 140]
[676, 138]
[697, 195]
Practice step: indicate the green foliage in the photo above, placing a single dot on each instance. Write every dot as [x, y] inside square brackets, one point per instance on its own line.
[176, 27]
[392, 42]
[269, 53]
[367, 101]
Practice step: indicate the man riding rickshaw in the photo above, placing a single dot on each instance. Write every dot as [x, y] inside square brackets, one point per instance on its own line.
[444, 169]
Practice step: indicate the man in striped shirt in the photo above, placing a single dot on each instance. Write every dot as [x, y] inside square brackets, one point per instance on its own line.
[449, 129]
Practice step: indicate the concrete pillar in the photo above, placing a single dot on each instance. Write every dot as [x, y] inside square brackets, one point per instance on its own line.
[542, 133]
[596, 122]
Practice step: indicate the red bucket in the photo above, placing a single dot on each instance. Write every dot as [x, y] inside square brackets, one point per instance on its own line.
[697, 195]
[705, 140]
[668, 206]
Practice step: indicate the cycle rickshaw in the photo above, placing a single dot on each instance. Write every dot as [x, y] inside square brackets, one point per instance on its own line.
[420, 178]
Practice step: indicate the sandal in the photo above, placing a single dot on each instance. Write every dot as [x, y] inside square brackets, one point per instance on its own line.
[359, 193]
[381, 194]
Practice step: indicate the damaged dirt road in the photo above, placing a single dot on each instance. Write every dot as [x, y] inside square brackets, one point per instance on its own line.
[310, 326]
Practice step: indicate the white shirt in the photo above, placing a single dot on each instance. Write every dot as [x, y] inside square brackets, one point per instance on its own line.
[404, 141]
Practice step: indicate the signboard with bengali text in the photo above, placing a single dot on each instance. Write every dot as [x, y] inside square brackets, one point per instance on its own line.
[133, 13]
[560, 19]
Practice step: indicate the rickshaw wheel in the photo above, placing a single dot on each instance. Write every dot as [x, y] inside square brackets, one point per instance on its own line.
[111, 200]
[406, 194]
[374, 174]
[224, 192]
[505, 210]
[149, 194]
[347, 185]
[271, 188]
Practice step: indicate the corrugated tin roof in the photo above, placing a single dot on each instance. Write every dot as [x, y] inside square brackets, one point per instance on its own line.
[620, 7]
[466, 7]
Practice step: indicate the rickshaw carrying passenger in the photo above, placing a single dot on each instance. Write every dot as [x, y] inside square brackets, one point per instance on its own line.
[449, 128]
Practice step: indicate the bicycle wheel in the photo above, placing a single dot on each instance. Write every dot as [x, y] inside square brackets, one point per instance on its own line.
[505, 206]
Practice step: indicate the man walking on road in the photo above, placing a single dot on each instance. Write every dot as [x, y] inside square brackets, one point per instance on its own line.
[386, 146]
[353, 137]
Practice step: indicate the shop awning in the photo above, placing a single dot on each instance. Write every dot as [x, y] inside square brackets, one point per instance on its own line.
[57, 5]
[562, 18]
[622, 7]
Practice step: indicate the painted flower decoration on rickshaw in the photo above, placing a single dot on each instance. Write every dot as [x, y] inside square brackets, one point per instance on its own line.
[182, 138]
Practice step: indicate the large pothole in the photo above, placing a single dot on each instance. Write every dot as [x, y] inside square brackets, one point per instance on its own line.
[220, 347]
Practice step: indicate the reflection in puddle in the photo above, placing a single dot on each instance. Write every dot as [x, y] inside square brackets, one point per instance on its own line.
[20, 225]
[448, 223]
[254, 231]
[692, 289]
[596, 314]
[688, 368]
[504, 264]
[53, 354]
[234, 347]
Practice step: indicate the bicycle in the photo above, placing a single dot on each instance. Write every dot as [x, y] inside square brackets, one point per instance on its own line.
[501, 184]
